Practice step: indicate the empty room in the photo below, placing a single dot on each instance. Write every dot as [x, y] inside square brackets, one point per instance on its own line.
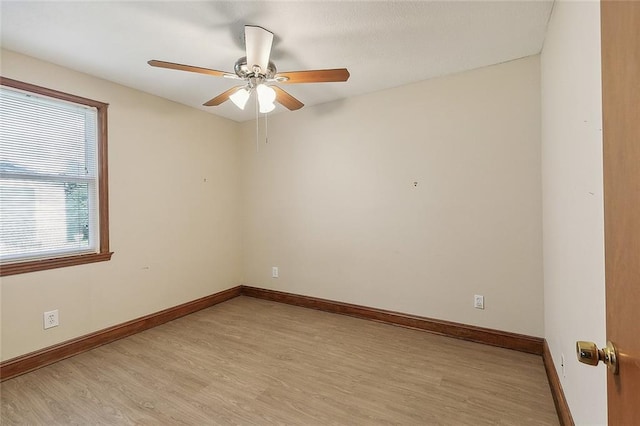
[320, 212]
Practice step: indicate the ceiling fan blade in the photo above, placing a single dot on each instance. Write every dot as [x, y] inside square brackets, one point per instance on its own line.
[258, 43]
[286, 99]
[222, 97]
[314, 76]
[180, 67]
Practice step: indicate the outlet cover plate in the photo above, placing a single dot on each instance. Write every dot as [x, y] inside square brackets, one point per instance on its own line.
[478, 301]
[51, 319]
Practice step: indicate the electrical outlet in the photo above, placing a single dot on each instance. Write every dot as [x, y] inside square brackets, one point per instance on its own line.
[274, 272]
[51, 319]
[478, 301]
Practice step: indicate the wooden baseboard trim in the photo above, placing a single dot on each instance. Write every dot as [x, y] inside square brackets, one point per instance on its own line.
[34, 360]
[503, 339]
[562, 408]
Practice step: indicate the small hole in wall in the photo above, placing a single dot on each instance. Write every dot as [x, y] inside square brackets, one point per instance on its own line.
[415, 183]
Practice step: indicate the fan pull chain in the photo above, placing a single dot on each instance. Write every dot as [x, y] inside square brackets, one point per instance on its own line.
[257, 125]
[266, 129]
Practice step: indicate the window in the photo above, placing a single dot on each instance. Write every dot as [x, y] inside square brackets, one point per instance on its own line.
[53, 179]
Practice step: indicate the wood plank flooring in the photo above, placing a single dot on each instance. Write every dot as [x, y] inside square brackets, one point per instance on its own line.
[249, 361]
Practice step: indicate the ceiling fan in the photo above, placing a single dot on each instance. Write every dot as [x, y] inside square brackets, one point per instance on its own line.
[259, 75]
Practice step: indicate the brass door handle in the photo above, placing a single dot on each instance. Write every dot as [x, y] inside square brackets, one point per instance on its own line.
[588, 353]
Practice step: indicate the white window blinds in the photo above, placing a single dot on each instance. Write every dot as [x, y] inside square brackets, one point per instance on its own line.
[48, 177]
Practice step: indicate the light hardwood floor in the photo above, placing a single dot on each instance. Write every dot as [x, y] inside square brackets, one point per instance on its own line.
[250, 361]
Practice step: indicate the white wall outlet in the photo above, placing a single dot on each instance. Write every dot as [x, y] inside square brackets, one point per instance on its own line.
[51, 319]
[274, 272]
[478, 301]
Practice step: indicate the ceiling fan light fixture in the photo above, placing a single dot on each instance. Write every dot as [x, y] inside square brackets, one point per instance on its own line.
[266, 98]
[266, 94]
[240, 98]
[267, 107]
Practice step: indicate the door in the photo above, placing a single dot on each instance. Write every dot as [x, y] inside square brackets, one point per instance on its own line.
[620, 21]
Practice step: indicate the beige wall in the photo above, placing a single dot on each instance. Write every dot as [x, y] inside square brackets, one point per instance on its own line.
[176, 237]
[573, 209]
[330, 199]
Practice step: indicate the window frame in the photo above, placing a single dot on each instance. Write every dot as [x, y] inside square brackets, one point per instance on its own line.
[103, 254]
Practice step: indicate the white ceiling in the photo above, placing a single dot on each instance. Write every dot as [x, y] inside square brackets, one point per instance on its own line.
[383, 43]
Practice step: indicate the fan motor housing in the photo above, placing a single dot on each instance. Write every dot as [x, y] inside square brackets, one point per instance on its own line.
[242, 70]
